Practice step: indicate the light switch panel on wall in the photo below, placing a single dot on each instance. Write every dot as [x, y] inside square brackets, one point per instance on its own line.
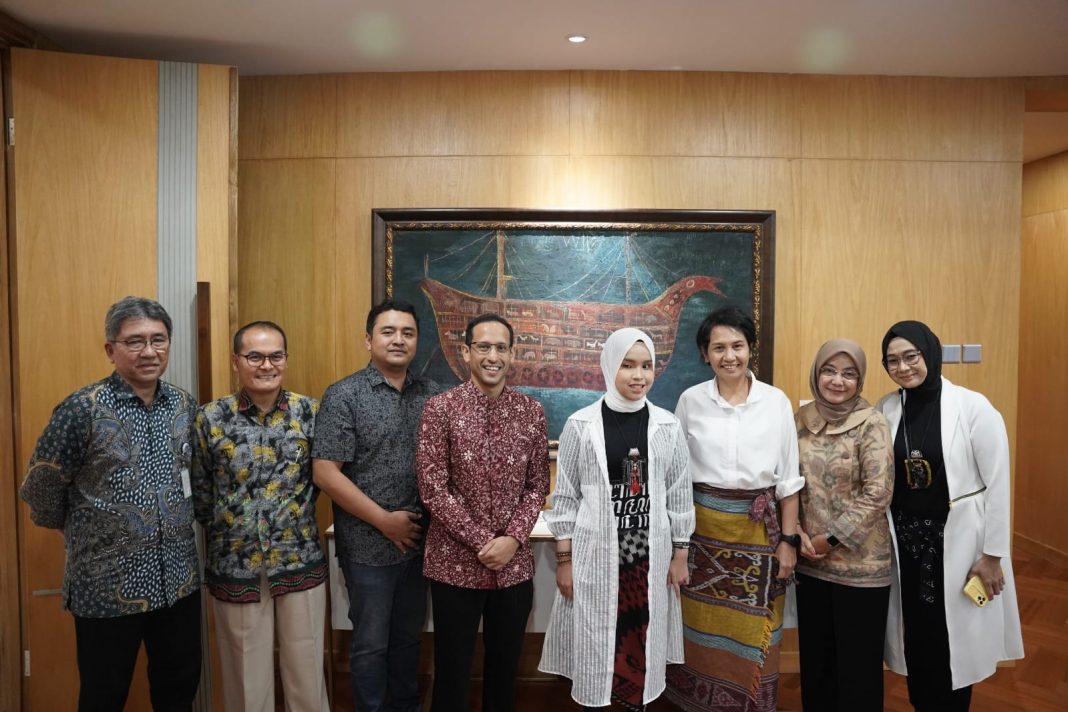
[950, 353]
[973, 353]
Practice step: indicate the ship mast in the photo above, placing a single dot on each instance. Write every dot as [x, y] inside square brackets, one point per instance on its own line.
[502, 278]
[630, 268]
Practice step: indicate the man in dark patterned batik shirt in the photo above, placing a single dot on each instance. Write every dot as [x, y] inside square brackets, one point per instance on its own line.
[253, 492]
[111, 469]
[483, 465]
[364, 454]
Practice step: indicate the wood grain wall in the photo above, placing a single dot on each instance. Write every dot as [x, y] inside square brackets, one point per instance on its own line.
[83, 205]
[895, 197]
[1043, 381]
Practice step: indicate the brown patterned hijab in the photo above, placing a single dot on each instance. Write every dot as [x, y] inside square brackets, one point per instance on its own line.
[835, 412]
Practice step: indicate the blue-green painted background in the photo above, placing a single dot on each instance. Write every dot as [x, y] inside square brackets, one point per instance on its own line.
[587, 266]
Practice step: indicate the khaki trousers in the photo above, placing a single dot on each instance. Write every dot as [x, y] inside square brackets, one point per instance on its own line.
[246, 633]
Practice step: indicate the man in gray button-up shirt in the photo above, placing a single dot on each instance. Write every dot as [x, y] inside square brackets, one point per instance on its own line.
[364, 450]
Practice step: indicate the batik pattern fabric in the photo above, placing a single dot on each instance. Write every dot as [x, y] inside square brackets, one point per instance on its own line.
[252, 484]
[483, 468]
[112, 473]
[733, 606]
[632, 622]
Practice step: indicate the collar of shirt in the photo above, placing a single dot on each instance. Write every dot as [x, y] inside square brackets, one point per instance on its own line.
[124, 391]
[245, 404]
[756, 392]
[375, 377]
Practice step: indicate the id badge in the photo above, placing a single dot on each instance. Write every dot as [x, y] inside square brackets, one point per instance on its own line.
[187, 487]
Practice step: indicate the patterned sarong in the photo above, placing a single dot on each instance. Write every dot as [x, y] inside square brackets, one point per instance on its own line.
[632, 620]
[732, 609]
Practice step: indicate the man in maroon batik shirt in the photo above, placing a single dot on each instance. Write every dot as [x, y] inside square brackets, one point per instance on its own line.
[483, 467]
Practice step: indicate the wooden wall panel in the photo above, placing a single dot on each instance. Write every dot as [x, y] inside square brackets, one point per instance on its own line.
[889, 240]
[946, 215]
[684, 114]
[1045, 184]
[912, 118]
[10, 477]
[1043, 379]
[213, 212]
[452, 114]
[85, 175]
[288, 117]
[353, 203]
[286, 262]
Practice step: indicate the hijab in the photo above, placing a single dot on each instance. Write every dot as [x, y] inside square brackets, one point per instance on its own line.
[615, 349]
[925, 341]
[843, 416]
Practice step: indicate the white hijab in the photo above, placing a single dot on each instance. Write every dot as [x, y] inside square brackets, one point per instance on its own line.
[615, 349]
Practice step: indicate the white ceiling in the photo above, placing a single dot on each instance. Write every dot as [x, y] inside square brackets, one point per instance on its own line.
[954, 38]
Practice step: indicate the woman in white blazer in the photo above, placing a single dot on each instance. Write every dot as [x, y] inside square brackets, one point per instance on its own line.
[622, 515]
[950, 521]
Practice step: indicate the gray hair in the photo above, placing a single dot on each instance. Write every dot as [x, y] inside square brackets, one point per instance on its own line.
[133, 308]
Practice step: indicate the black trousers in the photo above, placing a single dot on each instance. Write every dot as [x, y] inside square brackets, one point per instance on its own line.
[930, 682]
[457, 612]
[840, 635]
[107, 652]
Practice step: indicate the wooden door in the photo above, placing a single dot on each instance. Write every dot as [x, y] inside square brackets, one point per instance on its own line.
[82, 234]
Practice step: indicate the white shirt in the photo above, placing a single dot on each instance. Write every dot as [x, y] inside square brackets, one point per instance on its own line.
[752, 445]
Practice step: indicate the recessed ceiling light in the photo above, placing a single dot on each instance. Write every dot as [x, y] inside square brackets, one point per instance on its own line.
[576, 39]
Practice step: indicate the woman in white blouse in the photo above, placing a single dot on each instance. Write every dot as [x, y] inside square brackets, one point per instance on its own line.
[744, 465]
[622, 517]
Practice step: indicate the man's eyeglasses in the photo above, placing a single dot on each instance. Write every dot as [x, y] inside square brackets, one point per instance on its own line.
[137, 344]
[482, 348]
[848, 374]
[255, 358]
[909, 358]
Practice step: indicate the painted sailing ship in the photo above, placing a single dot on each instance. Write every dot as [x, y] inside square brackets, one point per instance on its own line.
[558, 343]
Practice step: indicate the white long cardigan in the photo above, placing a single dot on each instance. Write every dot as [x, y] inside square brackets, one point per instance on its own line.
[580, 640]
[976, 450]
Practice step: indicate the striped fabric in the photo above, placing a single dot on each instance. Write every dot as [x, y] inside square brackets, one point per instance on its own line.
[732, 609]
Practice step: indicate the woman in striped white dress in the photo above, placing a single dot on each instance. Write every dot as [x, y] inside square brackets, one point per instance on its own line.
[622, 515]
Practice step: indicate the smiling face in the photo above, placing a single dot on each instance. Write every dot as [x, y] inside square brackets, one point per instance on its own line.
[392, 341]
[728, 353]
[898, 353]
[489, 356]
[635, 375]
[838, 379]
[264, 380]
[141, 369]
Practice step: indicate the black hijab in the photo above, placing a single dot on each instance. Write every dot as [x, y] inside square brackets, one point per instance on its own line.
[925, 341]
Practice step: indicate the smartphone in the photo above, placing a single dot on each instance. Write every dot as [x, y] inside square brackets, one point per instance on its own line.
[976, 591]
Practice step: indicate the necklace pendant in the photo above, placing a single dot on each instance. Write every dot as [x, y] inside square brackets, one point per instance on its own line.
[635, 470]
[916, 454]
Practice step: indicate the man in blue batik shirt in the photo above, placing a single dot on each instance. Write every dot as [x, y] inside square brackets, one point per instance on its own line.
[111, 470]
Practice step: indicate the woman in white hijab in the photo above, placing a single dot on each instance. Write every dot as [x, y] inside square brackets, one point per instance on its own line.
[622, 515]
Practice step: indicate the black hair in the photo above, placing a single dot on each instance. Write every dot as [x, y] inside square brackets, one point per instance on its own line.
[730, 316]
[134, 308]
[484, 318]
[239, 335]
[390, 305]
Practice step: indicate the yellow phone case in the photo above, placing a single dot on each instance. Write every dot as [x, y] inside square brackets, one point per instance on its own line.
[976, 591]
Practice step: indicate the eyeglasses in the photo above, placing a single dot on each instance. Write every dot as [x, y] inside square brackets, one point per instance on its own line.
[137, 344]
[482, 348]
[909, 358]
[255, 358]
[848, 374]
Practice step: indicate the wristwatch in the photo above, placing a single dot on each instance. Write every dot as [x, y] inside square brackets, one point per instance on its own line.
[832, 541]
[793, 540]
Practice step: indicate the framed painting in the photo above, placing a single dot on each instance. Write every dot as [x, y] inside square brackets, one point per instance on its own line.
[565, 280]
